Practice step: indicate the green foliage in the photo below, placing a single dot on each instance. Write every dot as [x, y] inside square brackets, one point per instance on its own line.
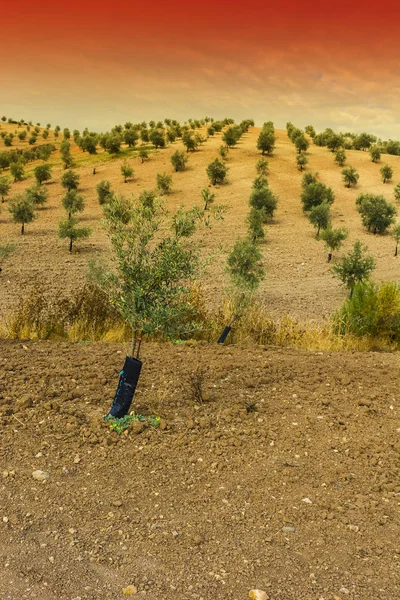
[350, 176]
[38, 195]
[315, 194]
[354, 267]
[120, 425]
[32, 140]
[67, 229]
[244, 265]
[104, 191]
[387, 173]
[189, 141]
[118, 208]
[112, 143]
[302, 161]
[334, 142]
[6, 250]
[395, 233]
[397, 192]
[70, 180]
[363, 141]
[8, 139]
[308, 179]
[208, 197]
[157, 138]
[264, 200]
[376, 213]
[184, 221]
[375, 152]
[266, 139]
[22, 135]
[143, 154]
[150, 282]
[320, 216]
[259, 182]
[42, 173]
[340, 157]
[372, 311]
[333, 238]
[301, 143]
[17, 171]
[164, 183]
[131, 137]
[217, 171]
[73, 202]
[22, 211]
[255, 220]
[262, 166]
[310, 130]
[232, 135]
[126, 171]
[66, 133]
[179, 160]
[4, 187]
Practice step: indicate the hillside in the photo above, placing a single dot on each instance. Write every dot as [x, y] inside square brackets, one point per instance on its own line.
[298, 280]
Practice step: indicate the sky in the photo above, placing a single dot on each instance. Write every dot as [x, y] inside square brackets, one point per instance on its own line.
[97, 64]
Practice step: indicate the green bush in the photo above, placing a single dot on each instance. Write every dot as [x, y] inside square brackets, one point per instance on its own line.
[372, 311]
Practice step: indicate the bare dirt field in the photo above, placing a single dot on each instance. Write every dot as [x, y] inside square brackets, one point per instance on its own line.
[298, 280]
[286, 478]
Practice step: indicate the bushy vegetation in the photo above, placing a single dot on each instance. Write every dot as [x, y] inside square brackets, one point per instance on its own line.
[376, 213]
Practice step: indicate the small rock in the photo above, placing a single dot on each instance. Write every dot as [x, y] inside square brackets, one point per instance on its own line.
[344, 590]
[364, 402]
[77, 459]
[51, 559]
[137, 427]
[288, 529]
[117, 503]
[258, 595]
[130, 590]
[307, 500]
[40, 475]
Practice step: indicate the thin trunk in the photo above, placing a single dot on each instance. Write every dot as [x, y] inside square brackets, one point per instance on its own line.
[395, 252]
[70, 244]
[23, 229]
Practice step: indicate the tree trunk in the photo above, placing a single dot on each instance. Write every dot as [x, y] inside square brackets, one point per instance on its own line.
[23, 229]
[70, 244]
[395, 252]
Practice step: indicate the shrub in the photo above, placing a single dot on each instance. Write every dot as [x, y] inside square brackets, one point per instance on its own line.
[217, 171]
[157, 138]
[143, 154]
[255, 220]
[179, 160]
[266, 140]
[372, 311]
[387, 173]
[70, 180]
[397, 192]
[104, 191]
[231, 136]
[208, 197]
[164, 183]
[118, 208]
[65, 151]
[376, 213]
[260, 182]
[333, 238]
[354, 267]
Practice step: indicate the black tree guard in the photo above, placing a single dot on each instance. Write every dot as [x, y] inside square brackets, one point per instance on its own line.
[128, 380]
[224, 334]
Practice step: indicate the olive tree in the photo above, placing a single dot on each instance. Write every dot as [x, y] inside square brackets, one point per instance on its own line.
[266, 140]
[302, 161]
[179, 160]
[67, 229]
[42, 173]
[386, 173]
[262, 166]
[4, 187]
[164, 183]
[255, 220]
[70, 180]
[265, 200]
[38, 195]
[395, 233]
[350, 176]
[315, 194]
[208, 197]
[217, 171]
[376, 213]
[17, 170]
[104, 191]
[22, 211]
[375, 153]
[354, 267]
[73, 202]
[340, 157]
[333, 239]
[320, 217]
[126, 171]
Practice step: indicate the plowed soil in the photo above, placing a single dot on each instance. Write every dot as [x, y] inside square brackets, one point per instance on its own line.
[285, 477]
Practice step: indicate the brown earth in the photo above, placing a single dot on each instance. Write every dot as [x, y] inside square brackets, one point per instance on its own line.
[298, 281]
[285, 478]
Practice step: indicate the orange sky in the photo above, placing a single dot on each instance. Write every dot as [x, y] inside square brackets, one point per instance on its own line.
[89, 63]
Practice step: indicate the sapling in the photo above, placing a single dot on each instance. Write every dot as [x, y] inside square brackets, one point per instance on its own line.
[22, 210]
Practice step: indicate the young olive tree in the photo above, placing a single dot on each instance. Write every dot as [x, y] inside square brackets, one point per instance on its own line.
[262, 166]
[264, 200]
[179, 160]
[143, 155]
[340, 157]
[22, 211]
[38, 195]
[395, 233]
[73, 203]
[350, 176]
[126, 171]
[70, 180]
[302, 161]
[164, 184]
[5, 187]
[375, 153]
[208, 197]
[17, 170]
[104, 191]
[355, 267]
[255, 220]
[67, 229]
[217, 171]
[320, 217]
[386, 173]
[376, 213]
[333, 239]
[42, 173]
